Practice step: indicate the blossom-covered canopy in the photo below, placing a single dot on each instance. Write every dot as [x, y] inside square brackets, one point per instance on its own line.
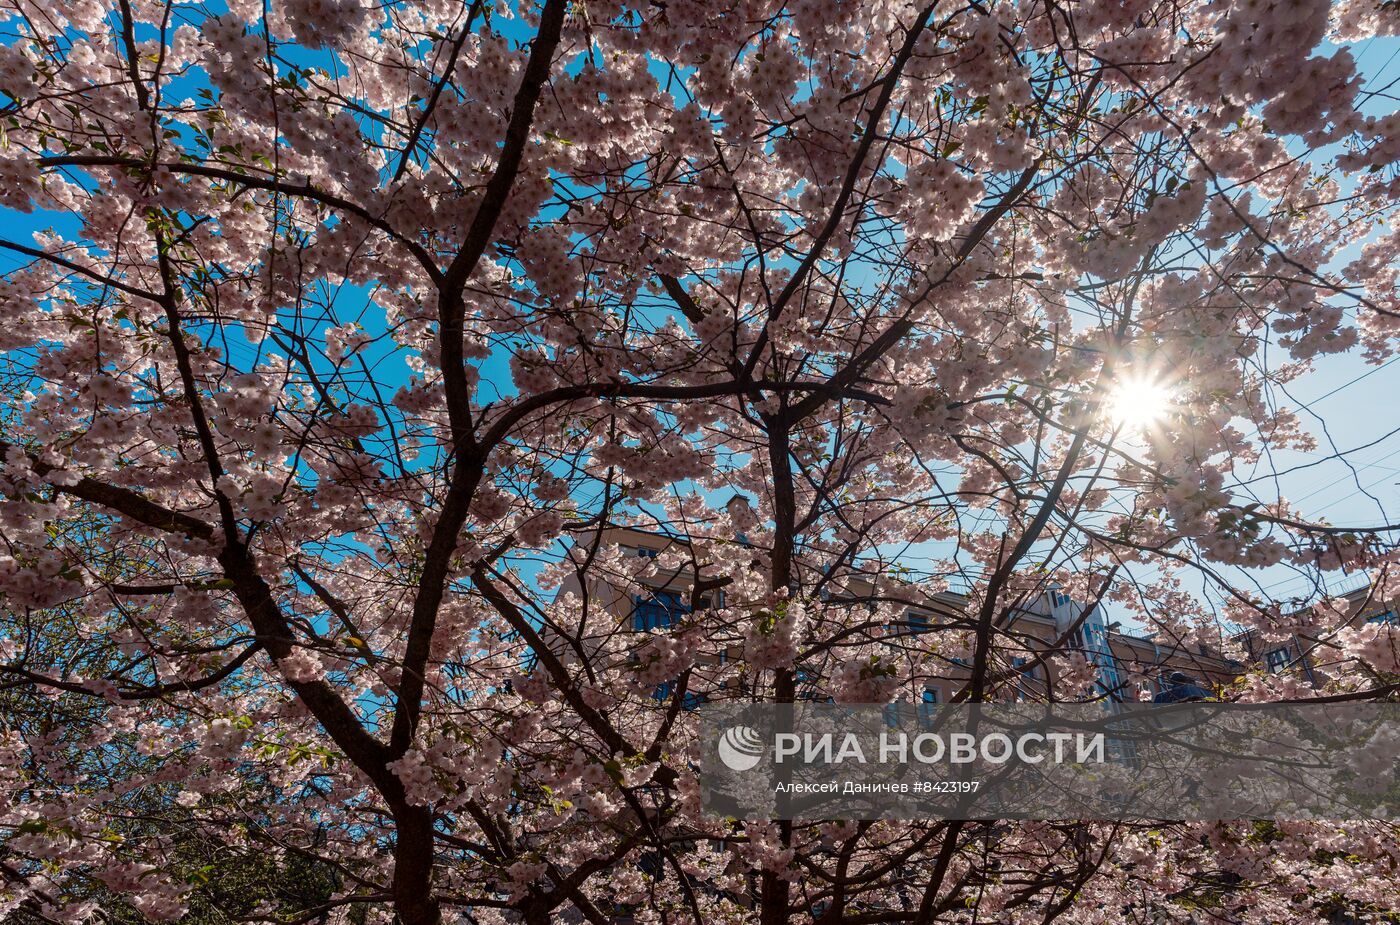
[336, 333]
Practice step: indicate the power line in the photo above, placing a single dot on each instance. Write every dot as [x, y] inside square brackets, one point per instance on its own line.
[1345, 385]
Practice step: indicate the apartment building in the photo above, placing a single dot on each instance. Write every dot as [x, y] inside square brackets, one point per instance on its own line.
[1131, 667]
[1302, 653]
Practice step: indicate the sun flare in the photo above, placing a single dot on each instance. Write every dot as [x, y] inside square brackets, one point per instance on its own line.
[1140, 403]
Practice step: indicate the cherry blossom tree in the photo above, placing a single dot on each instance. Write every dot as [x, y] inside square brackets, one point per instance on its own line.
[336, 333]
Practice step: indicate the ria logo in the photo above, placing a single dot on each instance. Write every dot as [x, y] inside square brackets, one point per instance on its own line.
[740, 748]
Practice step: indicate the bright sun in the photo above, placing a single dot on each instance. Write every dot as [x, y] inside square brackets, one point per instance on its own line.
[1136, 404]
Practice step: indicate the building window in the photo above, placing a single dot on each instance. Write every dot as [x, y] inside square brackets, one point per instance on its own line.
[917, 622]
[1026, 682]
[645, 553]
[805, 679]
[927, 704]
[710, 601]
[1058, 598]
[1387, 617]
[1276, 660]
[660, 611]
[690, 701]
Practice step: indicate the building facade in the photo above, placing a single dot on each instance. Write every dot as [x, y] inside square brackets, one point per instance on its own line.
[643, 597]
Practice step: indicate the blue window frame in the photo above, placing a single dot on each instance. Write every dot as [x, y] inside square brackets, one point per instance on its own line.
[928, 703]
[1026, 682]
[925, 708]
[1387, 617]
[1276, 660]
[658, 612]
[690, 701]
[917, 621]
